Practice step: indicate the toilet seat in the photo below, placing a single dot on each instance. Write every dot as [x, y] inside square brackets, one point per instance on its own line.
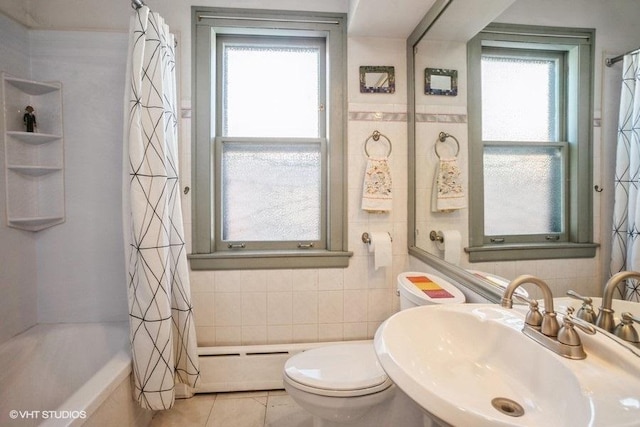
[341, 370]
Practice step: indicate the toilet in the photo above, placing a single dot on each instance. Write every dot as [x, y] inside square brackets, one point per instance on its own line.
[344, 384]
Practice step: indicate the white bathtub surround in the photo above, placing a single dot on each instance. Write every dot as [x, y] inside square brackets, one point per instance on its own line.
[625, 252]
[76, 372]
[163, 337]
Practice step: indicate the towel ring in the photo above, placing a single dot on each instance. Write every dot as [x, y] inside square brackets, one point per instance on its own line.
[442, 138]
[376, 137]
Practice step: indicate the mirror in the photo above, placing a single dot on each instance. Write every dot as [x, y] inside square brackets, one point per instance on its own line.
[439, 41]
[440, 82]
[377, 79]
[436, 55]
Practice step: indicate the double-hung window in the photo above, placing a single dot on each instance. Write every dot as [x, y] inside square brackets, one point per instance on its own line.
[530, 118]
[269, 188]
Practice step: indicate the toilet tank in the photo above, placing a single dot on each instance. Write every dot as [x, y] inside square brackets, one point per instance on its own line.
[418, 288]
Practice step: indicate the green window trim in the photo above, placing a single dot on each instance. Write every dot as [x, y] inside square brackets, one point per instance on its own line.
[578, 47]
[207, 252]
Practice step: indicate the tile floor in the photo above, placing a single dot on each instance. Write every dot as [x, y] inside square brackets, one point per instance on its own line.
[250, 409]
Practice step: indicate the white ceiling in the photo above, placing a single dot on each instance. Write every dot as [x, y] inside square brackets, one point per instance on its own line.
[386, 18]
[397, 18]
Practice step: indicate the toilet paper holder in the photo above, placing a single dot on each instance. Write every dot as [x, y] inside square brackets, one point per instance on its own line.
[436, 236]
[367, 239]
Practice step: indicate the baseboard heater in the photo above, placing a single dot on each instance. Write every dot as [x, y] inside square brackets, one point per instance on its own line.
[247, 368]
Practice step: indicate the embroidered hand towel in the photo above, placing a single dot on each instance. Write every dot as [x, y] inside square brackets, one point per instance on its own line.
[447, 194]
[376, 192]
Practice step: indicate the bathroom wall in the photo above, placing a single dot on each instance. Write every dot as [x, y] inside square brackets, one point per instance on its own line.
[274, 306]
[79, 265]
[81, 276]
[18, 281]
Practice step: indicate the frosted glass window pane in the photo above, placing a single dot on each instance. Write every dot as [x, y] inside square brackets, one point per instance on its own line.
[519, 99]
[271, 192]
[523, 190]
[271, 91]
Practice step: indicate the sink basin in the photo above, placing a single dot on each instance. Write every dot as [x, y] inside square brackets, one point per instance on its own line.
[454, 360]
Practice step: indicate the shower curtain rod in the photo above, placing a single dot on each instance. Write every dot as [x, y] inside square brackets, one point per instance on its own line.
[610, 61]
[137, 4]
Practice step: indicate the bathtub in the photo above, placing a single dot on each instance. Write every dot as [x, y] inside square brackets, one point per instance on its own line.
[68, 374]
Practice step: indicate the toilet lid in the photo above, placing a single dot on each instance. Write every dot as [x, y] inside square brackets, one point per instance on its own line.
[445, 293]
[340, 367]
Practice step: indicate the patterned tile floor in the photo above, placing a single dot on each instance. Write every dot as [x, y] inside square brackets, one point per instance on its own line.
[252, 409]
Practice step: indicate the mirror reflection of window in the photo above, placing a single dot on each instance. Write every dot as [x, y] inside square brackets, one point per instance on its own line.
[441, 82]
[376, 79]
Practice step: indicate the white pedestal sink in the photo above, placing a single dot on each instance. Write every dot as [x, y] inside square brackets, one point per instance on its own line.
[454, 360]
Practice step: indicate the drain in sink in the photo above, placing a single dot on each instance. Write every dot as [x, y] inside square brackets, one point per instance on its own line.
[508, 406]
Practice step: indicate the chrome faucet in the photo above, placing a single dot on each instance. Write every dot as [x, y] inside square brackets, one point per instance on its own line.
[605, 316]
[549, 325]
[605, 320]
[544, 329]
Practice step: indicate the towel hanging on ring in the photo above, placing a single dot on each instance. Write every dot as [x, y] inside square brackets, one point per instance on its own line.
[377, 189]
[448, 193]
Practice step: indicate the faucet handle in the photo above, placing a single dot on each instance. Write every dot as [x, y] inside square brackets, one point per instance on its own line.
[574, 294]
[582, 324]
[567, 334]
[625, 329]
[586, 312]
[534, 317]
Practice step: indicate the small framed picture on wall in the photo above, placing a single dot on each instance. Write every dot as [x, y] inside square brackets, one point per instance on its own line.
[439, 81]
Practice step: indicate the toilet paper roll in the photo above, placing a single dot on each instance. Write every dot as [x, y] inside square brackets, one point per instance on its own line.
[452, 246]
[380, 246]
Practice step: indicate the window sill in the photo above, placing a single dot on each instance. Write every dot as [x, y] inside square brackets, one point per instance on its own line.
[529, 251]
[269, 260]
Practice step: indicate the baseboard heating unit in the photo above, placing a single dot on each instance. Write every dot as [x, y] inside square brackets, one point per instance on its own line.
[247, 368]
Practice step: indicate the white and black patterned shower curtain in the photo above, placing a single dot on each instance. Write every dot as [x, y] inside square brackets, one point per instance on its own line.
[163, 340]
[625, 251]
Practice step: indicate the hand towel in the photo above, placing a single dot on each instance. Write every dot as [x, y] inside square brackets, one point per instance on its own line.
[376, 192]
[448, 193]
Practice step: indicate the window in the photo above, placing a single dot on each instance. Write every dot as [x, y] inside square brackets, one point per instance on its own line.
[530, 110]
[269, 145]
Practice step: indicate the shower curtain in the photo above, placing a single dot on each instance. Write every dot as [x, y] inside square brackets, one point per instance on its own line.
[162, 331]
[625, 251]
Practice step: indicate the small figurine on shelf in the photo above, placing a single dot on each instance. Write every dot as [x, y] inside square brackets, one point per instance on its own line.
[29, 119]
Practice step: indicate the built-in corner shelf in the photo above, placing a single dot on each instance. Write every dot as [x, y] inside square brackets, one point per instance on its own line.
[32, 137]
[34, 161]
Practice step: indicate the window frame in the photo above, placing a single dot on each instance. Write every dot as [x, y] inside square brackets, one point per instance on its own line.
[577, 46]
[208, 249]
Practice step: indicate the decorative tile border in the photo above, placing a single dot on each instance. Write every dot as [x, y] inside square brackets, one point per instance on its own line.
[440, 118]
[371, 116]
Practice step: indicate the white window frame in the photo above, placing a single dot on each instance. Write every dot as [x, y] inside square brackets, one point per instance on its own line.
[577, 48]
[209, 250]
